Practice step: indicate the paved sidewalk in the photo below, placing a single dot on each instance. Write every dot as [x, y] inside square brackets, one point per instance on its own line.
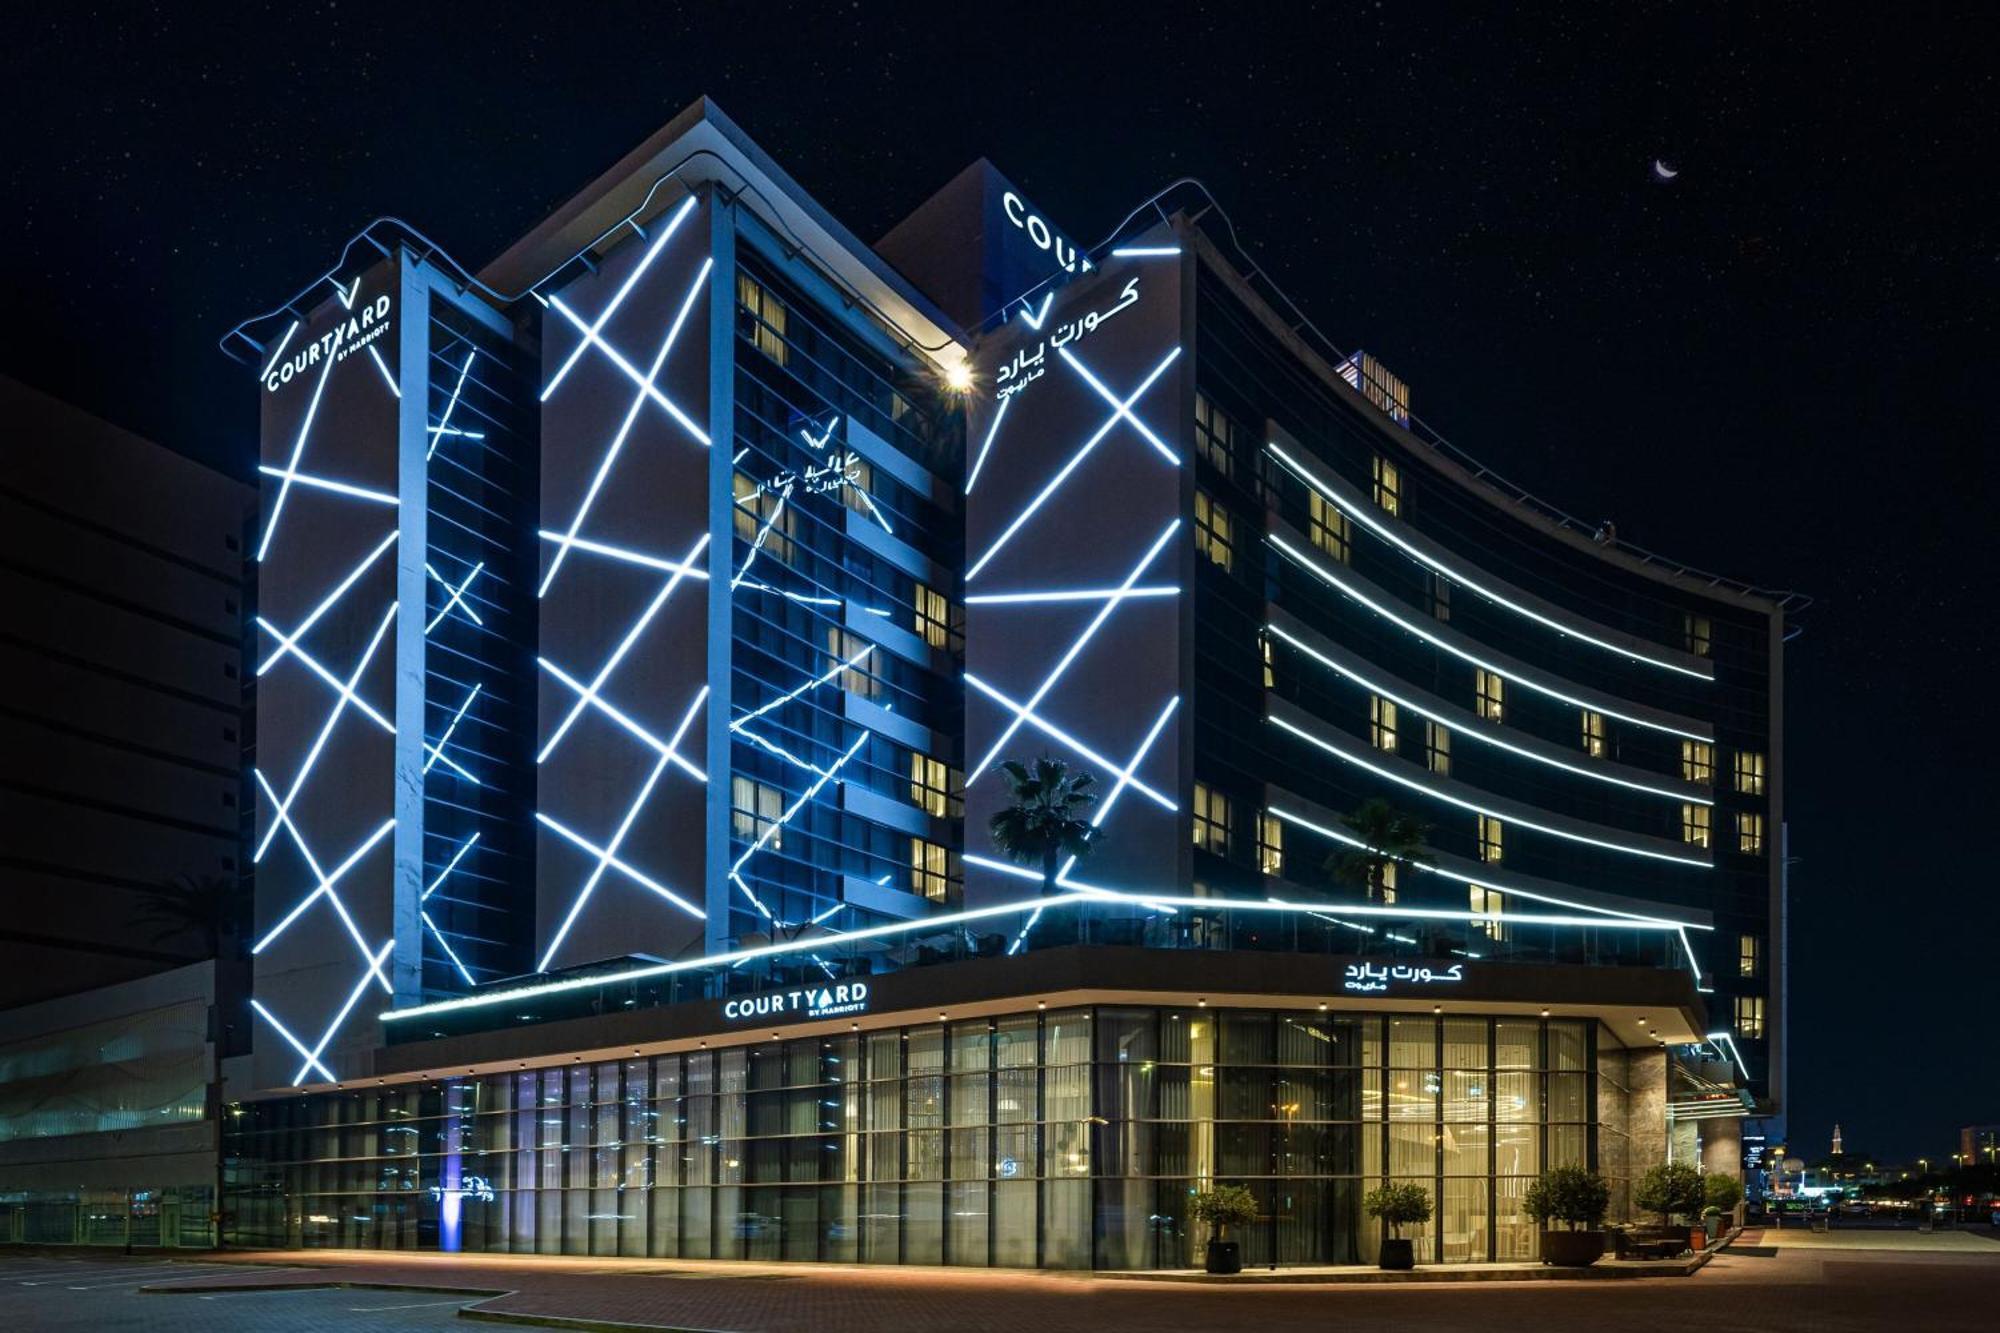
[1860, 1238]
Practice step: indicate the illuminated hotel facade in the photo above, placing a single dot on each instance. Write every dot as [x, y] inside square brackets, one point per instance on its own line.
[643, 619]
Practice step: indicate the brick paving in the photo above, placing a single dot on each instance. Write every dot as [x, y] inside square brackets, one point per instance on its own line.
[1837, 1288]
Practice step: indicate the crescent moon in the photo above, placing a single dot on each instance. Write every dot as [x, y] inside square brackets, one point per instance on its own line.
[1663, 171]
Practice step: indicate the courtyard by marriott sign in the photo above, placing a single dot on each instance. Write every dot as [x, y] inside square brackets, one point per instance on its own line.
[846, 997]
[1370, 977]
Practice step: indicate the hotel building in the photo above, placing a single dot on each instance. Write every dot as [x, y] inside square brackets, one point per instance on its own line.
[643, 619]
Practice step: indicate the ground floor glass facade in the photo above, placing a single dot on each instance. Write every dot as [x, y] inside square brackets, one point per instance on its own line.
[1055, 1138]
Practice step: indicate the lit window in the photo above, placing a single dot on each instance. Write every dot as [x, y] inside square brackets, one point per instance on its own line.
[1749, 955]
[1694, 824]
[767, 318]
[1440, 597]
[1214, 435]
[1388, 885]
[1593, 734]
[934, 617]
[1437, 748]
[1697, 762]
[1270, 844]
[931, 871]
[1328, 527]
[1750, 1016]
[1388, 485]
[1382, 722]
[1490, 694]
[1212, 533]
[841, 646]
[1491, 902]
[756, 807]
[933, 786]
[1270, 678]
[762, 512]
[1697, 634]
[1211, 819]
[1750, 832]
[1750, 772]
[1492, 840]
[858, 492]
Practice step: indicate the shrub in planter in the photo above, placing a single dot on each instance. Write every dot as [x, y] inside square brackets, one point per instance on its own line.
[1721, 1192]
[1670, 1188]
[1398, 1205]
[1224, 1207]
[1577, 1199]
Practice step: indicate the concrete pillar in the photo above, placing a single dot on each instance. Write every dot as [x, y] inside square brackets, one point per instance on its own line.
[1722, 1148]
[1646, 1075]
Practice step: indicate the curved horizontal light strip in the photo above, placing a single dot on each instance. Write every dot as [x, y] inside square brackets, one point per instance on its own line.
[1485, 734]
[1464, 804]
[1383, 530]
[1504, 883]
[1101, 898]
[1597, 706]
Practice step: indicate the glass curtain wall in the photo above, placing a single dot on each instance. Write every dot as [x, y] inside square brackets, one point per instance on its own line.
[1059, 1139]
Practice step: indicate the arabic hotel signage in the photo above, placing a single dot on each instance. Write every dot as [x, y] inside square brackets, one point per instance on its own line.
[1372, 977]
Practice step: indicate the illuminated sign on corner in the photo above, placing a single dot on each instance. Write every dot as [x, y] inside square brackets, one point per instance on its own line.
[358, 330]
[1042, 234]
[847, 997]
[1377, 976]
[1025, 367]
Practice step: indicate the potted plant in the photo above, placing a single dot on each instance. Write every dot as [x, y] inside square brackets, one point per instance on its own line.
[1668, 1189]
[1224, 1207]
[1398, 1205]
[1723, 1193]
[1578, 1199]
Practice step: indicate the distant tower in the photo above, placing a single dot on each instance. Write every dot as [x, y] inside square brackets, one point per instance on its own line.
[1836, 1138]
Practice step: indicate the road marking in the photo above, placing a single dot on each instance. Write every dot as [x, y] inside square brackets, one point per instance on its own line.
[418, 1305]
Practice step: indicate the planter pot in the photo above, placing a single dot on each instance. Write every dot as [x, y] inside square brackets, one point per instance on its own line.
[1572, 1249]
[1714, 1225]
[1225, 1256]
[1698, 1239]
[1398, 1254]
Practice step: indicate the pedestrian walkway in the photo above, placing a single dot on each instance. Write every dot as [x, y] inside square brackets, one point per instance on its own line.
[1867, 1238]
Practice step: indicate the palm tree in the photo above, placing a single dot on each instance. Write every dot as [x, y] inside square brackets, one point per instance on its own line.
[215, 909]
[1387, 835]
[1045, 819]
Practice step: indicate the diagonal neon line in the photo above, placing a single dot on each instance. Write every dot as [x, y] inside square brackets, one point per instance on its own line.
[1121, 409]
[624, 646]
[438, 935]
[383, 366]
[317, 483]
[763, 533]
[318, 668]
[618, 715]
[444, 420]
[1050, 729]
[618, 297]
[436, 752]
[340, 705]
[1089, 632]
[991, 432]
[1076, 461]
[326, 881]
[298, 452]
[604, 856]
[810, 685]
[287, 641]
[297, 1045]
[283, 343]
[774, 826]
[450, 866]
[312, 1060]
[621, 554]
[623, 867]
[617, 444]
[457, 597]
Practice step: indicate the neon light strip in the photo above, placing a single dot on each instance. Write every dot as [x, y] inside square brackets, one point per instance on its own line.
[1500, 884]
[991, 432]
[812, 684]
[353, 997]
[621, 553]
[618, 297]
[298, 452]
[1090, 631]
[982, 914]
[870, 502]
[436, 752]
[624, 646]
[666, 749]
[312, 756]
[326, 484]
[326, 882]
[763, 533]
[1464, 804]
[631, 416]
[621, 866]
[1145, 251]
[450, 866]
[457, 597]
[1730, 1040]
[1073, 595]
[1307, 563]
[765, 834]
[1094, 892]
[1487, 735]
[381, 365]
[1076, 460]
[1021, 714]
[438, 935]
[1119, 409]
[296, 1044]
[444, 421]
[1387, 533]
[314, 665]
[778, 750]
[283, 343]
[289, 641]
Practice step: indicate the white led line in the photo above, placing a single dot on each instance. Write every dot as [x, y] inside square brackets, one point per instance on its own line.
[1383, 530]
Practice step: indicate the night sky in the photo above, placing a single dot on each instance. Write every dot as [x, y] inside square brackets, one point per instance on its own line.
[1780, 365]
